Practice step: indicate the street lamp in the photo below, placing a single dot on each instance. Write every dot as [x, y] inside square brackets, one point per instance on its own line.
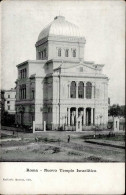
[96, 126]
[52, 125]
[100, 118]
[65, 122]
[21, 110]
[97, 120]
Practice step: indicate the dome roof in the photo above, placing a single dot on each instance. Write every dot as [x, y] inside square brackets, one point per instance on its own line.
[59, 26]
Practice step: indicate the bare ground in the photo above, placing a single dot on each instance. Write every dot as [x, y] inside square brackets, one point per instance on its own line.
[53, 147]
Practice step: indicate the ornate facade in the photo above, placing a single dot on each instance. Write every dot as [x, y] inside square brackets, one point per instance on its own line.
[59, 86]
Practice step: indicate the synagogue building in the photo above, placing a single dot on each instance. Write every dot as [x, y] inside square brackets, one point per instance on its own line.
[60, 88]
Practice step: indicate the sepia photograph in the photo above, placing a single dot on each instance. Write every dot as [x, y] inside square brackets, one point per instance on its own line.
[62, 81]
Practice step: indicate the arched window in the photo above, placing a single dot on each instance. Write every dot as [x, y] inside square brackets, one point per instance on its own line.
[23, 73]
[66, 53]
[73, 89]
[59, 52]
[39, 55]
[44, 53]
[88, 90]
[33, 94]
[74, 53]
[81, 90]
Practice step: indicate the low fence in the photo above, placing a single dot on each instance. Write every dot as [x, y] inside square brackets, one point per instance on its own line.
[39, 127]
[121, 125]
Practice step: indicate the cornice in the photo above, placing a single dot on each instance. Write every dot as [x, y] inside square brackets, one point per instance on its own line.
[63, 60]
[60, 38]
[67, 39]
[31, 61]
[40, 42]
[23, 63]
[80, 76]
[24, 102]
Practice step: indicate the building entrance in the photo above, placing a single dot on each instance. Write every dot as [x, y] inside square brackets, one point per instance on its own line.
[85, 114]
[88, 116]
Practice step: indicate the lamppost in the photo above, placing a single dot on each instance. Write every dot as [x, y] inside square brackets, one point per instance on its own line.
[41, 110]
[52, 125]
[97, 121]
[21, 110]
[100, 118]
[65, 122]
[96, 126]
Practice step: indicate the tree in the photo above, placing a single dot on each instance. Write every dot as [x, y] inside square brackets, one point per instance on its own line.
[123, 111]
[116, 110]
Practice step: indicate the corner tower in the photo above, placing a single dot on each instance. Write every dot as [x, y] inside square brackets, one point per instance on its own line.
[60, 39]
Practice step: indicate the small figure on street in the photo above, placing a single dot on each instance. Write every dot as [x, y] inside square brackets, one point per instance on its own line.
[36, 139]
[68, 139]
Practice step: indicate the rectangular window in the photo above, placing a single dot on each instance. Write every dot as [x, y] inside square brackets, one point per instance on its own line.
[33, 94]
[20, 93]
[23, 91]
[74, 53]
[19, 74]
[8, 96]
[23, 73]
[8, 107]
[44, 53]
[59, 52]
[66, 53]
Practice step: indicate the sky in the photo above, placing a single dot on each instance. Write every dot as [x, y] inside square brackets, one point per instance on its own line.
[102, 23]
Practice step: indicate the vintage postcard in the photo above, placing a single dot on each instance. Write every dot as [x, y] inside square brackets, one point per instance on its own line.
[62, 97]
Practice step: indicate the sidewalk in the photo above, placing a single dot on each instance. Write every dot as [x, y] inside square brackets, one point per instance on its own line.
[10, 139]
[12, 128]
[116, 144]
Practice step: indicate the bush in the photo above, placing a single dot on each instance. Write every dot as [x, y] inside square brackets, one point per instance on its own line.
[56, 150]
[74, 153]
[8, 119]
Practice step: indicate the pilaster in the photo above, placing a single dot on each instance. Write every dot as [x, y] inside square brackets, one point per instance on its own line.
[76, 89]
[84, 116]
[68, 112]
[91, 115]
[76, 113]
[84, 90]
